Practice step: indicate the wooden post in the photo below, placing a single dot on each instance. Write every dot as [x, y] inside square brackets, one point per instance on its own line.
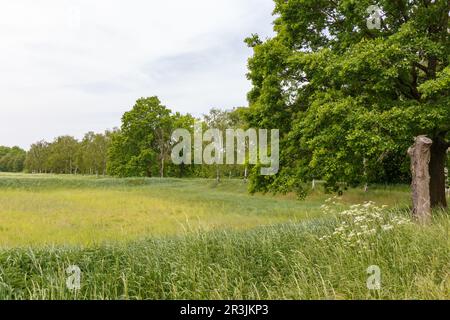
[420, 154]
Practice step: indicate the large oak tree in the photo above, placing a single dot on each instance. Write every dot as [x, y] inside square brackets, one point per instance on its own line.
[349, 99]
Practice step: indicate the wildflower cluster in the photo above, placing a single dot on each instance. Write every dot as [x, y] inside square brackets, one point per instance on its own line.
[359, 224]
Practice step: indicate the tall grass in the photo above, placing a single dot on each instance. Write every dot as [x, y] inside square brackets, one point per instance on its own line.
[40, 210]
[233, 246]
[283, 262]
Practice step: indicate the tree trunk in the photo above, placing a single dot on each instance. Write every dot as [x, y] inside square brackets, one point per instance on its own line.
[161, 156]
[420, 154]
[437, 173]
[181, 175]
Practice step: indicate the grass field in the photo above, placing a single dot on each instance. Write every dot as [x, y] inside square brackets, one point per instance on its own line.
[43, 209]
[196, 239]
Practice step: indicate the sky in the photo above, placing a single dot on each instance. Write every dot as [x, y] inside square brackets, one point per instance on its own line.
[72, 66]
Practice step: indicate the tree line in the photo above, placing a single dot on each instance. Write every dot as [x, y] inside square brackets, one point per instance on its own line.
[67, 155]
[12, 159]
[141, 147]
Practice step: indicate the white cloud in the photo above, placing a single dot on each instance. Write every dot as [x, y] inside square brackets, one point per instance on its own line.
[68, 67]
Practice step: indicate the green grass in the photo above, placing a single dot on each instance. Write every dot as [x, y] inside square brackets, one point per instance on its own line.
[51, 210]
[194, 239]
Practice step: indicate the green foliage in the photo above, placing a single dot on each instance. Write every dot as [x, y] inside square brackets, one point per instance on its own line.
[93, 153]
[67, 155]
[223, 120]
[12, 159]
[143, 145]
[349, 100]
[140, 148]
[63, 155]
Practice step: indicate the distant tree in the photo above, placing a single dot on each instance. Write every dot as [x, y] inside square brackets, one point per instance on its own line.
[37, 158]
[218, 119]
[12, 159]
[93, 153]
[187, 122]
[223, 120]
[63, 155]
[141, 147]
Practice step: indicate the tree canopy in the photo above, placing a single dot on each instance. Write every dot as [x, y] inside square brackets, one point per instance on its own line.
[143, 146]
[348, 99]
[67, 155]
[12, 159]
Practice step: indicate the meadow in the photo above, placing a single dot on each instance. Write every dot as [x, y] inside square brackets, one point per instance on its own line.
[198, 239]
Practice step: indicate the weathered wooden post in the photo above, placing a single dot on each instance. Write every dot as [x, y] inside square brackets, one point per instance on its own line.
[420, 154]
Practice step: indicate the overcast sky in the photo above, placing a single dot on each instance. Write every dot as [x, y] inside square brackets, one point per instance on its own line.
[73, 66]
